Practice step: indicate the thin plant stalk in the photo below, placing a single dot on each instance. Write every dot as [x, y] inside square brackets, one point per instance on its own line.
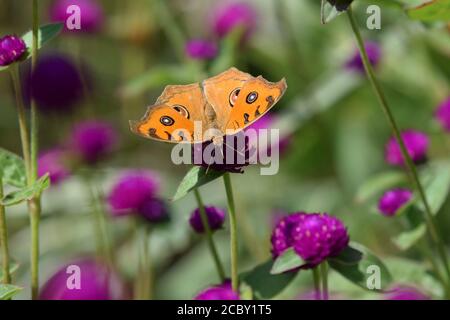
[143, 286]
[4, 240]
[233, 232]
[429, 218]
[324, 274]
[316, 280]
[209, 237]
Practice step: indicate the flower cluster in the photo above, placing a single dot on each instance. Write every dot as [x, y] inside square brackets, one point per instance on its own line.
[373, 50]
[216, 218]
[12, 48]
[416, 144]
[443, 114]
[393, 200]
[219, 292]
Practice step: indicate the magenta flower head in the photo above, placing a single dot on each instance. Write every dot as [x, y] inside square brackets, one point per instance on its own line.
[93, 140]
[220, 292]
[406, 293]
[55, 84]
[317, 237]
[83, 280]
[90, 15]
[373, 52]
[153, 210]
[239, 14]
[282, 233]
[216, 218]
[416, 144]
[132, 191]
[393, 200]
[12, 48]
[443, 114]
[201, 49]
[53, 162]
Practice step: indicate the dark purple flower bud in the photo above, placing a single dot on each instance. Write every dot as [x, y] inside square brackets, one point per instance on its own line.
[91, 15]
[154, 210]
[416, 144]
[443, 114]
[317, 237]
[83, 280]
[53, 162]
[56, 84]
[12, 49]
[373, 52]
[92, 141]
[282, 233]
[216, 218]
[131, 192]
[406, 293]
[220, 292]
[393, 200]
[227, 18]
[201, 49]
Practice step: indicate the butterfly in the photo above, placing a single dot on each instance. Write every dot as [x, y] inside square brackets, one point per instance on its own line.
[219, 106]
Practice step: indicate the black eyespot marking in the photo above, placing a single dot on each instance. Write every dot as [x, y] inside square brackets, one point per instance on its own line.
[182, 110]
[246, 118]
[152, 133]
[233, 96]
[167, 121]
[252, 96]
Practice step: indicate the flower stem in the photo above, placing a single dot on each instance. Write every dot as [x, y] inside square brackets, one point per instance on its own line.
[429, 218]
[316, 279]
[233, 232]
[324, 272]
[143, 287]
[209, 237]
[4, 240]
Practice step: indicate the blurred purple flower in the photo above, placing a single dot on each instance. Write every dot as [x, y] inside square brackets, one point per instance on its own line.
[93, 140]
[406, 293]
[317, 237]
[443, 114]
[393, 200]
[220, 292]
[91, 14]
[12, 49]
[201, 49]
[282, 233]
[416, 144]
[216, 218]
[373, 52]
[131, 192]
[53, 162]
[153, 210]
[239, 14]
[97, 282]
[56, 84]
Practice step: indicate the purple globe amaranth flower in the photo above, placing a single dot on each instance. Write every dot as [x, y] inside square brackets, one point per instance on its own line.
[216, 218]
[282, 233]
[317, 237]
[373, 53]
[416, 144]
[443, 114]
[220, 292]
[90, 15]
[201, 49]
[83, 280]
[238, 14]
[153, 210]
[53, 162]
[56, 84]
[406, 293]
[393, 200]
[12, 48]
[93, 140]
[131, 192]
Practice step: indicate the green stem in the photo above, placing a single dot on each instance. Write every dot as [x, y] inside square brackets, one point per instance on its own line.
[34, 208]
[316, 279]
[429, 218]
[209, 237]
[233, 232]
[143, 286]
[324, 272]
[4, 240]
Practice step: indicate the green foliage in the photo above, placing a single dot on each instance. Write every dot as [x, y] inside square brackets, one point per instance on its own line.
[196, 177]
[436, 10]
[12, 169]
[288, 261]
[27, 193]
[8, 291]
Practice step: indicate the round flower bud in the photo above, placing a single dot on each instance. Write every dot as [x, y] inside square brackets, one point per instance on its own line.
[201, 49]
[220, 292]
[416, 144]
[12, 49]
[216, 218]
[53, 162]
[443, 114]
[393, 200]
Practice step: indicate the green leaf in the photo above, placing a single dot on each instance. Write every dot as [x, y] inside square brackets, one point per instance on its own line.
[407, 239]
[436, 181]
[195, 178]
[45, 34]
[13, 267]
[12, 169]
[376, 185]
[330, 9]
[264, 284]
[437, 10]
[27, 193]
[8, 291]
[356, 270]
[288, 261]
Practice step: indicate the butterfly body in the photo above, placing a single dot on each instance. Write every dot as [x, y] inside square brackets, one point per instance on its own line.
[207, 111]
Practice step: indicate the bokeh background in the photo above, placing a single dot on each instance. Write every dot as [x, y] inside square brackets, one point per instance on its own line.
[334, 129]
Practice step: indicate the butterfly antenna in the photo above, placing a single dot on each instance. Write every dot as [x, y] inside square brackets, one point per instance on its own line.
[232, 149]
